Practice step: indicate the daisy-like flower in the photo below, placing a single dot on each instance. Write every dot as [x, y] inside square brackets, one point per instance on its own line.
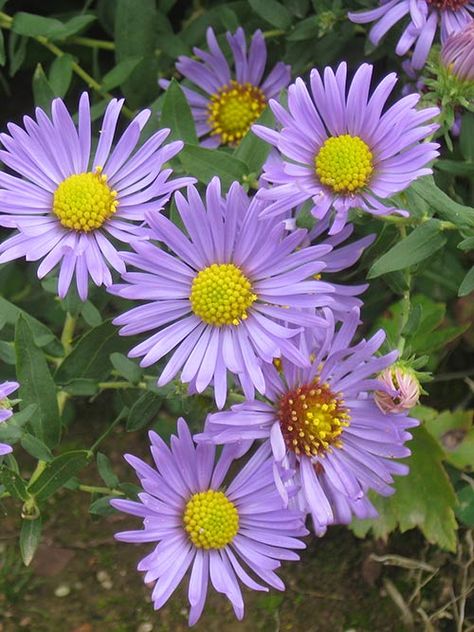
[231, 100]
[219, 532]
[341, 150]
[221, 297]
[6, 389]
[67, 206]
[323, 425]
[424, 18]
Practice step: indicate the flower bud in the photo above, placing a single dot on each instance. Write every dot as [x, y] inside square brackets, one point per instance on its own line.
[404, 386]
[457, 53]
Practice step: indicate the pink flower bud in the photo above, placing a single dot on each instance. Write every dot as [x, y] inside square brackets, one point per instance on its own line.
[404, 387]
[457, 53]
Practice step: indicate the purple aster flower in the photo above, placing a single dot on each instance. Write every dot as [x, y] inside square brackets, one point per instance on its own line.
[232, 100]
[323, 425]
[198, 523]
[457, 54]
[6, 388]
[222, 294]
[66, 206]
[424, 18]
[341, 151]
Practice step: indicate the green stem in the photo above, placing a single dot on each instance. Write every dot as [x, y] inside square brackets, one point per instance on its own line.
[92, 489]
[92, 43]
[6, 22]
[405, 305]
[67, 334]
[105, 434]
[40, 466]
[273, 33]
[103, 386]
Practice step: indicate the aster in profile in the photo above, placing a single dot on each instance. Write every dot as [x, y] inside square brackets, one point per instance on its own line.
[324, 426]
[220, 532]
[229, 100]
[67, 207]
[424, 19]
[221, 295]
[341, 150]
[457, 54]
[6, 389]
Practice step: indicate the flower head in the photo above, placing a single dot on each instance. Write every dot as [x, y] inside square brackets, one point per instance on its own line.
[339, 150]
[196, 522]
[6, 388]
[424, 18]
[457, 54]
[403, 389]
[324, 427]
[232, 99]
[66, 205]
[222, 294]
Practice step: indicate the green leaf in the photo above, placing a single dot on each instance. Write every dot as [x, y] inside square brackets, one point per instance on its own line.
[36, 386]
[33, 25]
[101, 506]
[82, 387]
[90, 357]
[465, 508]
[466, 138]
[305, 30]
[176, 114]
[454, 432]
[126, 367]
[14, 484]
[467, 285]
[143, 411]
[443, 205]
[57, 473]
[36, 448]
[7, 352]
[2, 49]
[60, 75]
[424, 498]
[105, 470]
[120, 73]
[424, 241]
[42, 90]
[253, 151]
[17, 46]
[273, 12]
[204, 164]
[30, 536]
[135, 35]
[91, 314]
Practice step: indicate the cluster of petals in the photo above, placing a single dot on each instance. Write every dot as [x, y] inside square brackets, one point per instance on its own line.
[6, 389]
[331, 109]
[332, 485]
[425, 17]
[267, 531]
[226, 230]
[47, 152]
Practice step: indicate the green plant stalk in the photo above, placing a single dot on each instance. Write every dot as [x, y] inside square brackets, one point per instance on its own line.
[103, 386]
[107, 491]
[405, 306]
[105, 434]
[90, 42]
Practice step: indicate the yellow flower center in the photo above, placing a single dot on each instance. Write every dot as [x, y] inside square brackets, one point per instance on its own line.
[221, 295]
[233, 109]
[344, 163]
[312, 418]
[84, 201]
[211, 520]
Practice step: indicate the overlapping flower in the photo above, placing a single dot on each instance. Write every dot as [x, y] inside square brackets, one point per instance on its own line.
[230, 100]
[6, 389]
[217, 530]
[67, 207]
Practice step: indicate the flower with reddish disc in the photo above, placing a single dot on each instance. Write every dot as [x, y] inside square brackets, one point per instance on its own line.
[229, 100]
[403, 389]
[324, 426]
[6, 389]
[196, 522]
[67, 207]
[341, 150]
[220, 295]
[424, 18]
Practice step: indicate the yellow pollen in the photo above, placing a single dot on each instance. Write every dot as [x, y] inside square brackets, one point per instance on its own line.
[221, 295]
[233, 109]
[312, 419]
[84, 201]
[211, 520]
[344, 163]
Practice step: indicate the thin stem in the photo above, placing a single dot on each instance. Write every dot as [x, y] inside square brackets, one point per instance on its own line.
[92, 489]
[405, 306]
[67, 334]
[92, 43]
[273, 33]
[105, 434]
[103, 386]
[40, 466]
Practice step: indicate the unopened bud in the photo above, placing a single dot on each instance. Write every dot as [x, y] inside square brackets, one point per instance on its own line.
[457, 54]
[405, 388]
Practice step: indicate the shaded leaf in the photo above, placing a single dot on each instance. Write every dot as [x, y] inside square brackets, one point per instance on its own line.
[57, 473]
[30, 536]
